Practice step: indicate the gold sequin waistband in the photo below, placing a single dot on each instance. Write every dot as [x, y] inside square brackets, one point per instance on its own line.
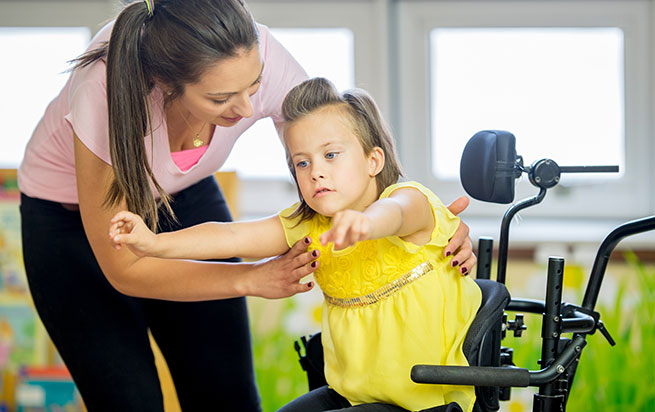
[386, 290]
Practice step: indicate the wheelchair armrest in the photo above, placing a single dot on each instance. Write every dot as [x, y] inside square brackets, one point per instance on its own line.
[498, 376]
[471, 375]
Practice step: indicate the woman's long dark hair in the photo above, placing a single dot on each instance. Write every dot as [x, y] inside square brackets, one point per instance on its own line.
[363, 115]
[174, 47]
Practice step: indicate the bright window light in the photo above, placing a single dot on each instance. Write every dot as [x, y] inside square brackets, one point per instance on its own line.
[558, 90]
[32, 74]
[328, 53]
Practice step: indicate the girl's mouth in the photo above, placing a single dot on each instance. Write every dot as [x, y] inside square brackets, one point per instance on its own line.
[322, 191]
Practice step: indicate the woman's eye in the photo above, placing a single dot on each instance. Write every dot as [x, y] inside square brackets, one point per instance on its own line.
[220, 101]
[255, 87]
[331, 155]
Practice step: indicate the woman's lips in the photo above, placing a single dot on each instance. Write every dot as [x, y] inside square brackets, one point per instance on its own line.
[232, 119]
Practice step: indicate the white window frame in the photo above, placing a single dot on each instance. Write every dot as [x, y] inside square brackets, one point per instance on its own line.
[368, 20]
[629, 197]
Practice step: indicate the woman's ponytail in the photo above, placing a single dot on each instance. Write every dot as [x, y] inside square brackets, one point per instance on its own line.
[128, 88]
[173, 42]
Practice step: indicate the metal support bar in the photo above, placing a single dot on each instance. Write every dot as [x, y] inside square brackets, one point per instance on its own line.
[485, 253]
[504, 231]
[588, 169]
[604, 252]
[551, 326]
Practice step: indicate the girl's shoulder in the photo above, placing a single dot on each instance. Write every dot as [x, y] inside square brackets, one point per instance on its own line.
[432, 198]
[445, 222]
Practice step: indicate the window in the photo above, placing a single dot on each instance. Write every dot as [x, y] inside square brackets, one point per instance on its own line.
[32, 76]
[559, 90]
[570, 79]
[326, 52]
[358, 29]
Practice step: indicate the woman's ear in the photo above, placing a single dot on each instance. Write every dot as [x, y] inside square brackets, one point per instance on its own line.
[376, 161]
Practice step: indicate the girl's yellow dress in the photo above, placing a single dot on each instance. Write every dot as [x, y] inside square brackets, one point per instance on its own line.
[389, 305]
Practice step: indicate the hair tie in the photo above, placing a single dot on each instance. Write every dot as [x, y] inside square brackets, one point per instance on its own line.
[150, 4]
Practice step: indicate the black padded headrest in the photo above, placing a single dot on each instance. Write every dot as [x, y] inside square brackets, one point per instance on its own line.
[487, 166]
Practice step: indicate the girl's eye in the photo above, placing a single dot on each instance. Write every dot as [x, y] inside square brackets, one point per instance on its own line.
[301, 164]
[331, 155]
[220, 101]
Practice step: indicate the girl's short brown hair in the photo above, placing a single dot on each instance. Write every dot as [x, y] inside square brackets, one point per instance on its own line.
[364, 117]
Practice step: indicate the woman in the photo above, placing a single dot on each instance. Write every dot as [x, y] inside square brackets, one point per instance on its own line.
[148, 114]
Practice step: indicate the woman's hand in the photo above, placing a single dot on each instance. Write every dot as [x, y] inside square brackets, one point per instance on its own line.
[130, 230]
[348, 228]
[460, 244]
[281, 276]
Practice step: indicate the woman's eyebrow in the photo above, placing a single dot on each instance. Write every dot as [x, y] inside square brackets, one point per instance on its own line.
[231, 93]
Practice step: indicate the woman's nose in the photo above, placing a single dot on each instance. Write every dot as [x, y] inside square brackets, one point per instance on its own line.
[243, 106]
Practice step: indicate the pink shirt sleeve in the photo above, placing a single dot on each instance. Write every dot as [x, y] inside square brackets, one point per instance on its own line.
[282, 73]
[88, 110]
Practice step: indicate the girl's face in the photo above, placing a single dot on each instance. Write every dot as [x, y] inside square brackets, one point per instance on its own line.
[332, 170]
[222, 95]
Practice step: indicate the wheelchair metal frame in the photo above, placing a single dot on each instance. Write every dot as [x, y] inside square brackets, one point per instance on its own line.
[559, 356]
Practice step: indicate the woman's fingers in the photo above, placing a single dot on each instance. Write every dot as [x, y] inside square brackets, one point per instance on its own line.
[459, 239]
[298, 262]
[281, 276]
[465, 259]
[460, 245]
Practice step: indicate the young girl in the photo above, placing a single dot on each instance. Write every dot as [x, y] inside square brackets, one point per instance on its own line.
[392, 300]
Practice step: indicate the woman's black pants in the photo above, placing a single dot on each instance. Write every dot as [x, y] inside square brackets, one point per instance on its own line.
[102, 336]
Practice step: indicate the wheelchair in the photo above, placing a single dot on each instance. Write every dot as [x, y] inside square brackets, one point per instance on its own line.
[488, 170]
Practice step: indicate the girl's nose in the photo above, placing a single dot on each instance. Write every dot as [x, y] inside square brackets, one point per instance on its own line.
[317, 175]
[242, 105]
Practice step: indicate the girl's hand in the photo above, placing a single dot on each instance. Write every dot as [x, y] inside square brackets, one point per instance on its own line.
[348, 228]
[460, 244]
[281, 276]
[130, 230]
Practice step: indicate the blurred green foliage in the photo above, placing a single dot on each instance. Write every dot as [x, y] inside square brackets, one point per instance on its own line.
[279, 375]
[615, 378]
[609, 378]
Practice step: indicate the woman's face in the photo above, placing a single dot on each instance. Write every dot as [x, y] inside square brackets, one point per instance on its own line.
[222, 95]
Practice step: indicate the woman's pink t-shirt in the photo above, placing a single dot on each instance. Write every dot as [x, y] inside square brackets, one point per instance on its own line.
[48, 168]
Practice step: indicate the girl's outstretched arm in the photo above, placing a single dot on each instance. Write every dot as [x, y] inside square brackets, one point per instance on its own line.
[406, 213]
[211, 240]
[174, 279]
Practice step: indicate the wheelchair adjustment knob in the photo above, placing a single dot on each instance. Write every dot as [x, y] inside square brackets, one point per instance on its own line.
[544, 173]
[517, 325]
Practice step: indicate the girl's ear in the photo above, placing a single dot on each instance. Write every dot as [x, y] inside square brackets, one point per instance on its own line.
[376, 161]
